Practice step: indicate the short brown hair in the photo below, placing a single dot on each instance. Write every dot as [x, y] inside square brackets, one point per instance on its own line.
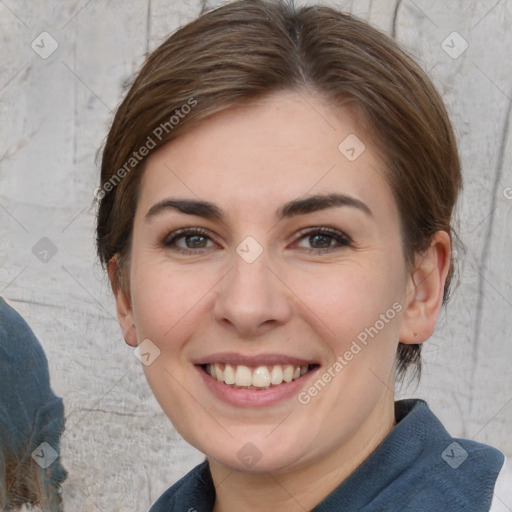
[250, 48]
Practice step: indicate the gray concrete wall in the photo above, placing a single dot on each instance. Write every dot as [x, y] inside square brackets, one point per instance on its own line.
[119, 448]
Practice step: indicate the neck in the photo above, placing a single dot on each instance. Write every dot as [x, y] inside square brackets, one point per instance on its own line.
[303, 488]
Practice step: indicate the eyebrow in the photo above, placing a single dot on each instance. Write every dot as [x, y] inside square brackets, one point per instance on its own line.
[293, 208]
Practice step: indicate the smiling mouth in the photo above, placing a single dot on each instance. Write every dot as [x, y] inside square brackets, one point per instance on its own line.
[258, 378]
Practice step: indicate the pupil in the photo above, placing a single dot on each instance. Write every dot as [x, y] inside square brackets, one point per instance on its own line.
[320, 239]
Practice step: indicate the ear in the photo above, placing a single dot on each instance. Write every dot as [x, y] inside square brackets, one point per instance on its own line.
[425, 290]
[123, 302]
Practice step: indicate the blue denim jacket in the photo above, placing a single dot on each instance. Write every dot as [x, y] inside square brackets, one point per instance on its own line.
[418, 467]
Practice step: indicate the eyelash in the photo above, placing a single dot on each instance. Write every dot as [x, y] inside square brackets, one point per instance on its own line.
[340, 237]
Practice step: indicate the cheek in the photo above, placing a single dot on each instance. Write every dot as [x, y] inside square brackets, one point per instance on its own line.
[168, 302]
[166, 308]
[158, 300]
[346, 298]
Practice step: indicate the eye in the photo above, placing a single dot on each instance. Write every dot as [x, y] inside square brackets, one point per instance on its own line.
[188, 240]
[322, 239]
[195, 240]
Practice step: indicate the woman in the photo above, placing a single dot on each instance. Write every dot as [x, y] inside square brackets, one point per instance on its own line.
[275, 216]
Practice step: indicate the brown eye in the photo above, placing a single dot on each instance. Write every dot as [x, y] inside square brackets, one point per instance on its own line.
[324, 239]
[187, 240]
[320, 241]
[194, 241]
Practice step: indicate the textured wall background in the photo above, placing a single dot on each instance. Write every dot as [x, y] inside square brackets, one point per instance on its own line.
[120, 450]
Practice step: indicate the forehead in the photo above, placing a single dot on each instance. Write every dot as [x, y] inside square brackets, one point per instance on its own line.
[269, 151]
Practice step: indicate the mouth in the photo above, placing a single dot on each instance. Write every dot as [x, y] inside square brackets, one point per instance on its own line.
[254, 380]
[256, 377]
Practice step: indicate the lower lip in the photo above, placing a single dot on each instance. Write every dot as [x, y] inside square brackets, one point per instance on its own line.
[253, 397]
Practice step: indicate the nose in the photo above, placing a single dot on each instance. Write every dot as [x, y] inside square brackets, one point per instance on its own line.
[252, 298]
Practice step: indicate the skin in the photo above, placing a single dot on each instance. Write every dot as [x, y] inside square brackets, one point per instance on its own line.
[293, 299]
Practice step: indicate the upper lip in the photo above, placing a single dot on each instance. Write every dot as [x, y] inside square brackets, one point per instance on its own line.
[252, 360]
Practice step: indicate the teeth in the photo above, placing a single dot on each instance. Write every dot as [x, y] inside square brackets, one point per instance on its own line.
[229, 375]
[276, 375]
[243, 376]
[261, 377]
[288, 373]
[217, 372]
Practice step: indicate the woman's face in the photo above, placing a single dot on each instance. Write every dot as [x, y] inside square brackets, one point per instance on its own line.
[271, 280]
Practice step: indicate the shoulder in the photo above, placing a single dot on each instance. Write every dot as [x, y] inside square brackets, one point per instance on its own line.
[464, 478]
[21, 354]
[194, 492]
[15, 333]
[450, 473]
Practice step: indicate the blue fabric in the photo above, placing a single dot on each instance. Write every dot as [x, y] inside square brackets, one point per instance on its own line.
[412, 470]
[30, 413]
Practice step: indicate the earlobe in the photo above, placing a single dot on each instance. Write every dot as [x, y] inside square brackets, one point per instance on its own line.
[127, 325]
[123, 303]
[425, 290]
